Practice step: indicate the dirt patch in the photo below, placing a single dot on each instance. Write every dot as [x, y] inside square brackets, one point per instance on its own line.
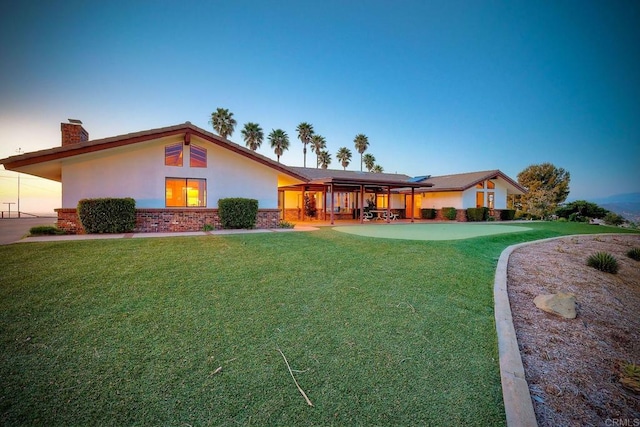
[572, 365]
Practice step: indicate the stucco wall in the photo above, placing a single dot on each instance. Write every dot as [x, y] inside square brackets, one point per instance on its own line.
[443, 199]
[138, 171]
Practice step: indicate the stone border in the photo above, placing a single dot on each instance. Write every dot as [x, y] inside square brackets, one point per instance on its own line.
[518, 406]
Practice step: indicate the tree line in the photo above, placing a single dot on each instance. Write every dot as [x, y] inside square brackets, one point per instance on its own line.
[224, 124]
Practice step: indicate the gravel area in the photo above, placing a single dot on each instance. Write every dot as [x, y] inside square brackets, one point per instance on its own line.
[572, 366]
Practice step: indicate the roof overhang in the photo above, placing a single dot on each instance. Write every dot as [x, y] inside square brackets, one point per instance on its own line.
[48, 163]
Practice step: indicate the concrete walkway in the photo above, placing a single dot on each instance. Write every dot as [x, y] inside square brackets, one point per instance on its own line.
[16, 231]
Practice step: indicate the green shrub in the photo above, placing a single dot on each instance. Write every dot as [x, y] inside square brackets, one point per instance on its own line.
[108, 215]
[236, 212]
[612, 218]
[428, 213]
[603, 261]
[208, 227]
[449, 213]
[477, 214]
[45, 230]
[285, 224]
[634, 254]
[507, 214]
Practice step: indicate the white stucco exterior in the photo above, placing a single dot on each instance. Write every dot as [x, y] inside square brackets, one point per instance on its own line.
[466, 198]
[138, 171]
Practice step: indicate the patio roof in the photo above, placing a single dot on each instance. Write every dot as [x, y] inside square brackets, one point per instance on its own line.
[356, 178]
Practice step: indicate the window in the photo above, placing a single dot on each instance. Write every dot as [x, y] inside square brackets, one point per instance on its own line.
[185, 192]
[491, 184]
[173, 155]
[491, 200]
[480, 185]
[198, 157]
[479, 199]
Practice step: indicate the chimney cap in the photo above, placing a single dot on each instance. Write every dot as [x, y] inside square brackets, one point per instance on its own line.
[75, 121]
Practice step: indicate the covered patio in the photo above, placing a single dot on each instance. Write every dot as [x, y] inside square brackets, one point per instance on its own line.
[332, 195]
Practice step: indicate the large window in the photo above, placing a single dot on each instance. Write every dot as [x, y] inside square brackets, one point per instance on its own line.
[479, 199]
[173, 154]
[185, 192]
[198, 158]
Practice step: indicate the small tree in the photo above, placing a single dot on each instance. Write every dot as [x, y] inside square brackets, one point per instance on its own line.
[547, 186]
[310, 209]
[581, 210]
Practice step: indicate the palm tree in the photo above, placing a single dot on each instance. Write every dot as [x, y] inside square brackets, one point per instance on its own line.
[362, 143]
[279, 142]
[369, 161]
[223, 122]
[305, 131]
[344, 155]
[318, 143]
[377, 169]
[253, 135]
[324, 159]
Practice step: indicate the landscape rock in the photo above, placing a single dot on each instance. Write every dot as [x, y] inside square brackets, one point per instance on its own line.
[561, 304]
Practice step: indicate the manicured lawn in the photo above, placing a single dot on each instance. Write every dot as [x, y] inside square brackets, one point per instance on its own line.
[133, 331]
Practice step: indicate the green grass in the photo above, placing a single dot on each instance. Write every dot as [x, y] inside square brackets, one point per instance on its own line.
[132, 331]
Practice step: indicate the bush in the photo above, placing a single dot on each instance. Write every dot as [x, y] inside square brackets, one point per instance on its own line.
[428, 213]
[634, 254]
[603, 261]
[507, 214]
[109, 215]
[477, 214]
[612, 218]
[285, 224]
[449, 213]
[45, 230]
[208, 227]
[236, 212]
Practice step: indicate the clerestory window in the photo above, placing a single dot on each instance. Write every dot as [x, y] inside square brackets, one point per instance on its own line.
[173, 155]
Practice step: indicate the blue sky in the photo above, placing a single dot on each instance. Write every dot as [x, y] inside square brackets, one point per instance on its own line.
[438, 87]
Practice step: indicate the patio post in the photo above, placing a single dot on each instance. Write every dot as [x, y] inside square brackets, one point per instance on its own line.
[413, 201]
[361, 204]
[332, 198]
[388, 203]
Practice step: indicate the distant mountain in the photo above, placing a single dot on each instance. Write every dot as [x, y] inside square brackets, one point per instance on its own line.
[626, 205]
[618, 198]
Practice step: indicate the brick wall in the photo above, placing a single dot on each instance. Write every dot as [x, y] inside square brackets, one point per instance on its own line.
[73, 133]
[169, 220]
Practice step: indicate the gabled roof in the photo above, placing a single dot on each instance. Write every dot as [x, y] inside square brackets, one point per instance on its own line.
[463, 181]
[52, 157]
[345, 177]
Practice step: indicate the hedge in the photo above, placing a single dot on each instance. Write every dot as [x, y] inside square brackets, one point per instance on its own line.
[236, 212]
[108, 215]
[428, 213]
[449, 213]
[477, 214]
[507, 214]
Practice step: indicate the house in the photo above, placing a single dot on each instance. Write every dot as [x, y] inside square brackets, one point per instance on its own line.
[177, 174]
[490, 189]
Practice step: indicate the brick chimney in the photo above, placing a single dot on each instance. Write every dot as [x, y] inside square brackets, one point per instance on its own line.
[73, 132]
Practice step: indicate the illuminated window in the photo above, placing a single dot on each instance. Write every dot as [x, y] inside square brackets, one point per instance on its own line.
[491, 197]
[479, 199]
[491, 184]
[198, 158]
[480, 185]
[185, 192]
[173, 155]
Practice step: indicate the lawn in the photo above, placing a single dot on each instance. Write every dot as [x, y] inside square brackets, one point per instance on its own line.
[135, 331]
